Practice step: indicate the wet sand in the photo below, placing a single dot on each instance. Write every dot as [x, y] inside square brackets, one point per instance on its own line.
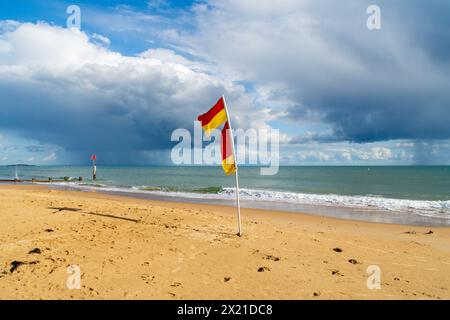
[131, 248]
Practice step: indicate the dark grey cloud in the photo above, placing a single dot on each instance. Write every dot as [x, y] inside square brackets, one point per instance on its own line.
[367, 117]
[404, 89]
[363, 85]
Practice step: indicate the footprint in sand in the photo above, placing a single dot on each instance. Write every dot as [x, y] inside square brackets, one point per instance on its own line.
[15, 264]
[35, 250]
[147, 278]
[263, 269]
[176, 284]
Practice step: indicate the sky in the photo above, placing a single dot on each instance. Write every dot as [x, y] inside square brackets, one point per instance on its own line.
[338, 92]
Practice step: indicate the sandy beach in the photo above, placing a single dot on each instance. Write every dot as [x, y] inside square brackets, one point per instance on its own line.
[129, 248]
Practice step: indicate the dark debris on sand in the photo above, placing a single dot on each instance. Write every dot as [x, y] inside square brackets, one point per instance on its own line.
[16, 264]
[273, 258]
[336, 273]
[414, 232]
[263, 269]
[59, 209]
[337, 250]
[35, 250]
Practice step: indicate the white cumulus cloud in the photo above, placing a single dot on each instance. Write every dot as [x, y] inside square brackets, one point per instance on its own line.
[61, 88]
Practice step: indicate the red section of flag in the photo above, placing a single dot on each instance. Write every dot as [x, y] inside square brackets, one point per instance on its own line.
[226, 142]
[208, 116]
[93, 157]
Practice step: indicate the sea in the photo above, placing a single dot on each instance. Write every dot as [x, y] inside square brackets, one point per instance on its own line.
[413, 195]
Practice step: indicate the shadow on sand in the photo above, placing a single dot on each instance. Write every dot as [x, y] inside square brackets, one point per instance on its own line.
[59, 209]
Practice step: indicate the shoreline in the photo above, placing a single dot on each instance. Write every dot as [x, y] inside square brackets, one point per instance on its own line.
[366, 214]
[131, 248]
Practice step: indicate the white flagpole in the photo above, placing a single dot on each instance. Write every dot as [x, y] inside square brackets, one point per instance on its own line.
[236, 172]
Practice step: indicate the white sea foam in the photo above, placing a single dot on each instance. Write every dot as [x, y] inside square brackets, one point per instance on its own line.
[437, 209]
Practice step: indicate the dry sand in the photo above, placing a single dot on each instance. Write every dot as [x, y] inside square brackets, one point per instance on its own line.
[139, 249]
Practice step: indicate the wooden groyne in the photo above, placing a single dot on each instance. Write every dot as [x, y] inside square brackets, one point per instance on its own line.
[32, 180]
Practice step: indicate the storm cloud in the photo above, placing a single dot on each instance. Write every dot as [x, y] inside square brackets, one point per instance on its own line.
[364, 85]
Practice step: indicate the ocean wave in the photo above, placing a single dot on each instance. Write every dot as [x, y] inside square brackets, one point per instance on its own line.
[428, 208]
[439, 209]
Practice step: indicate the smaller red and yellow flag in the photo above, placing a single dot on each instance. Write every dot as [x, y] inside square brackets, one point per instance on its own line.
[228, 164]
[214, 118]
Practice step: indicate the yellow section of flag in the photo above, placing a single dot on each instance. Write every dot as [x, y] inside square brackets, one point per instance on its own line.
[214, 118]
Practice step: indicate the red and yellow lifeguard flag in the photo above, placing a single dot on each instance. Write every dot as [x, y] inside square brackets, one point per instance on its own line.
[214, 118]
[228, 164]
[211, 120]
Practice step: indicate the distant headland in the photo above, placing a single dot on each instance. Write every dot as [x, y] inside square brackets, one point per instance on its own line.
[18, 165]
